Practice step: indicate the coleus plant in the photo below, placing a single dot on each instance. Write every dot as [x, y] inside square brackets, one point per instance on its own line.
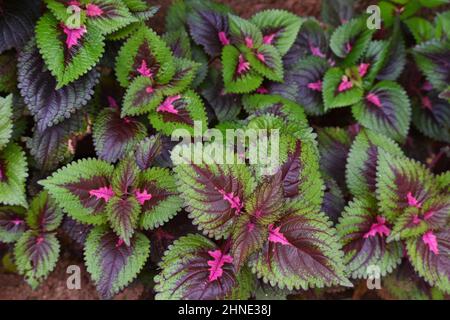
[90, 93]
[120, 202]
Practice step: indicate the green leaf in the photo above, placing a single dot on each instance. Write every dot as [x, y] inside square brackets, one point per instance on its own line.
[432, 59]
[280, 26]
[115, 15]
[312, 257]
[185, 272]
[362, 251]
[144, 45]
[189, 108]
[6, 125]
[71, 186]
[165, 202]
[240, 29]
[386, 109]
[14, 171]
[396, 178]
[442, 22]
[12, 223]
[433, 3]
[432, 267]
[111, 263]
[185, 72]
[123, 215]
[350, 40]
[267, 61]
[238, 83]
[361, 169]
[421, 29]
[332, 97]
[201, 187]
[43, 214]
[139, 99]
[36, 255]
[66, 64]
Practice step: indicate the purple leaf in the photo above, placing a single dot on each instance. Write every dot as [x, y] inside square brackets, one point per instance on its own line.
[248, 237]
[75, 230]
[226, 106]
[190, 271]
[147, 151]
[334, 147]
[300, 252]
[17, 24]
[12, 223]
[311, 40]
[37, 86]
[50, 146]
[114, 136]
[210, 30]
[44, 214]
[111, 263]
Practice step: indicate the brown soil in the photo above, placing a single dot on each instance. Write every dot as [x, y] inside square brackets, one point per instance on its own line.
[13, 286]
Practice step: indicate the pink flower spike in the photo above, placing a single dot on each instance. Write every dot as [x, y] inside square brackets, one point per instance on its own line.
[119, 243]
[262, 90]
[276, 236]
[426, 103]
[112, 103]
[345, 85]
[142, 196]
[39, 240]
[249, 42]
[412, 201]
[233, 200]
[219, 259]
[316, 51]
[243, 65]
[73, 35]
[378, 228]
[168, 106]
[149, 89]
[348, 47]
[428, 215]
[373, 99]
[144, 70]
[74, 3]
[416, 219]
[250, 227]
[92, 10]
[223, 38]
[104, 193]
[430, 240]
[269, 38]
[363, 68]
[261, 57]
[316, 86]
[17, 222]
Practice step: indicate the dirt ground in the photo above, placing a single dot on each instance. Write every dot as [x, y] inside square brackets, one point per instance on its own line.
[13, 286]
